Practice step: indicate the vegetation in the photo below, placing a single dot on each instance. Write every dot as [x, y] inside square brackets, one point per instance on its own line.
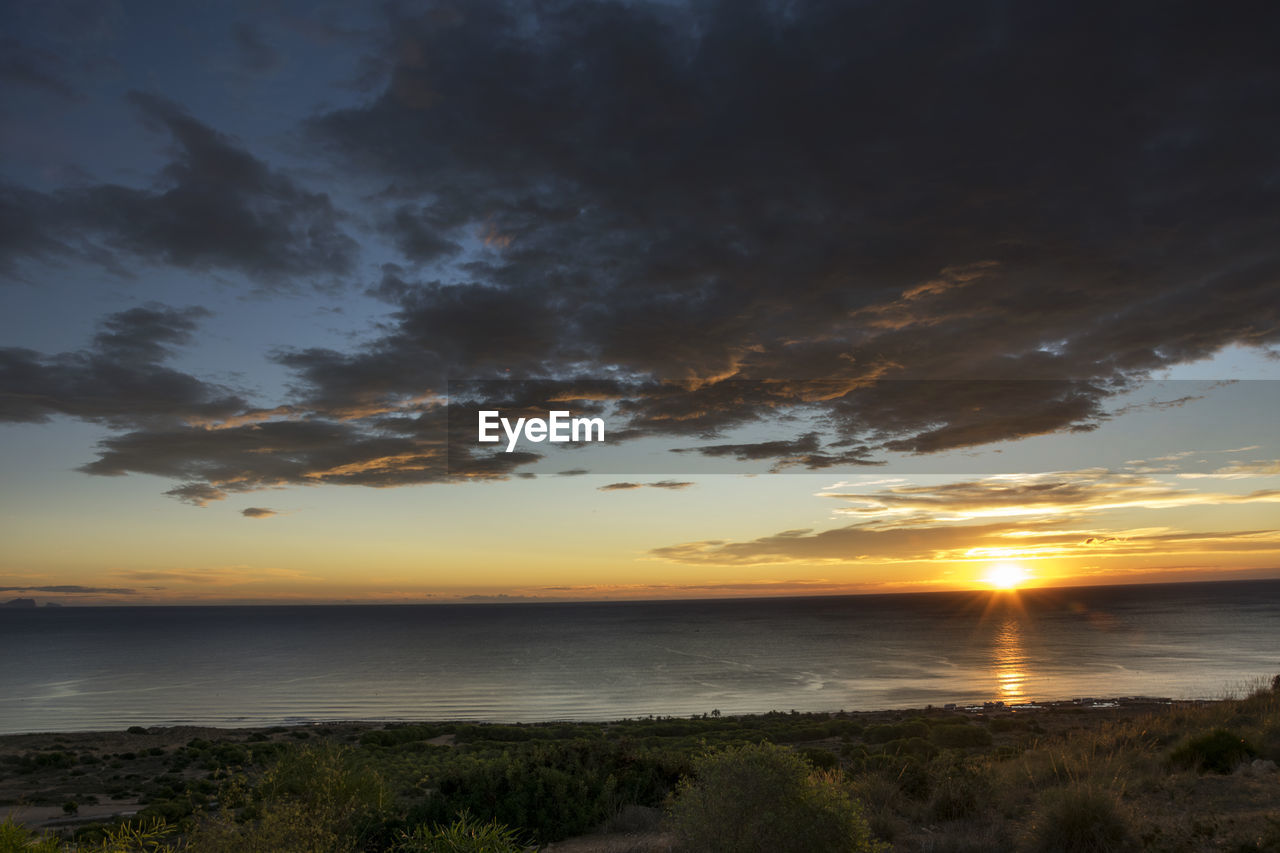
[464, 835]
[1219, 751]
[1157, 776]
[763, 798]
[1082, 820]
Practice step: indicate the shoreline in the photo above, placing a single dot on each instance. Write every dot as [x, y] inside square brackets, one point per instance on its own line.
[901, 764]
[1092, 703]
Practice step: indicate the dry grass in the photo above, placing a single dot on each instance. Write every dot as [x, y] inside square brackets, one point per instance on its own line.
[1101, 785]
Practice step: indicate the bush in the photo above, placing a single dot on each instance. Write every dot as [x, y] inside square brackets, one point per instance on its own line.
[14, 836]
[913, 746]
[464, 835]
[959, 737]
[886, 732]
[961, 791]
[822, 759]
[1219, 751]
[549, 789]
[766, 798]
[317, 800]
[1082, 820]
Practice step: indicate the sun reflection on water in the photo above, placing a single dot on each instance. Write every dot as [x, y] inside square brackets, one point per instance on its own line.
[1010, 662]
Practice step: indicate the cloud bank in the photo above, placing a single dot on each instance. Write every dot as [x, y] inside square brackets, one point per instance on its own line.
[924, 227]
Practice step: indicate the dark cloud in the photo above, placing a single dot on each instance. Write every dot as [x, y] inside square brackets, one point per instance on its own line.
[258, 512]
[25, 216]
[803, 451]
[120, 379]
[215, 206]
[828, 196]
[72, 589]
[254, 54]
[39, 70]
[418, 236]
[196, 494]
[906, 228]
[411, 446]
[672, 485]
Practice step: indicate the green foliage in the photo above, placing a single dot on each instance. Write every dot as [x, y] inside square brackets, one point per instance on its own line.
[315, 800]
[551, 789]
[960, 737]
[1082, 820]
[400, 735]
[766, 798]
[914, 746]
[464, 835]
[16, 838]
[896, 731]
[961, 790]
[33, 761]
[822, 759]
[1219, 751]
[148, 836]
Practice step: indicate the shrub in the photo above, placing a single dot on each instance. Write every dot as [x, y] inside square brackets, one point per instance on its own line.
[315, 800]
[1082, 820]
[961, 791]
[550, 789]
[917, 747]
[1008, 724]
[14, 836]
[822, 759]
[886, 732]
[1219, 751]
[959, 737]
[464, 835]
[766, 798]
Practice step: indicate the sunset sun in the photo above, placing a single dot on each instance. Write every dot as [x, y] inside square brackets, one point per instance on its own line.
[1006, 576]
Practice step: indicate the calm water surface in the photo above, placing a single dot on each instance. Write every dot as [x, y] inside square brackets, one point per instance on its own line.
[103, 668]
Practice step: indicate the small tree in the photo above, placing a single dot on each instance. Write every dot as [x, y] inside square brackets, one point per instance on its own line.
[767, 798]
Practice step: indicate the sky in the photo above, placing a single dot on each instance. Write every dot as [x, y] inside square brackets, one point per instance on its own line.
[867, 297]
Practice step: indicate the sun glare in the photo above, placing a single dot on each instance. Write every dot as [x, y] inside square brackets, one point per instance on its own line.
[1006, 576]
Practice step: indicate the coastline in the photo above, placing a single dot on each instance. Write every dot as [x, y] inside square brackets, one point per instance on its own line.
[174, 771]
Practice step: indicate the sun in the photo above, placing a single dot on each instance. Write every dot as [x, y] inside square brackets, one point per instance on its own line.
[1006, 576]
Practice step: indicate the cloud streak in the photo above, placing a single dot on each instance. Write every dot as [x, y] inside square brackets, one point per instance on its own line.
[1029, 516]
[669, 485]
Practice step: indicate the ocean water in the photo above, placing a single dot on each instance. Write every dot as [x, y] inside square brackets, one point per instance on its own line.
[64, 669]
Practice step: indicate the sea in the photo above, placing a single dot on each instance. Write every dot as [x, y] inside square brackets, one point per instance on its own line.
[102, 668]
